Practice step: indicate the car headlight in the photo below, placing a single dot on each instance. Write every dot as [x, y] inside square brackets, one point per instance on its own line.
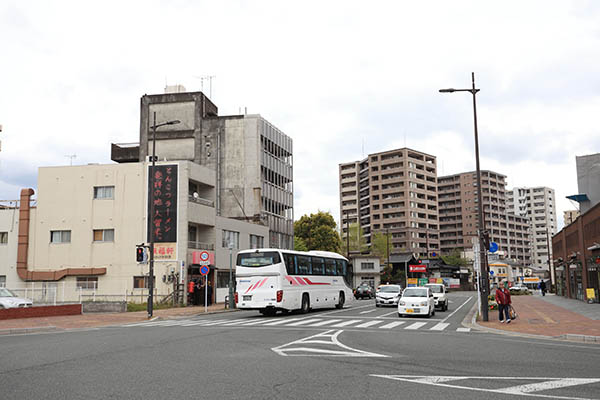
[401, 303]
[423, 303]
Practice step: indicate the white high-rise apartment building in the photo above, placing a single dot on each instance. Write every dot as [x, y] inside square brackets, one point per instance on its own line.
[539, 204]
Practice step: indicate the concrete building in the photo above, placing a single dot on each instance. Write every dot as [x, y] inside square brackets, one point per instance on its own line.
[570, 216]
[366, 270]
[392, 191]
[251, 159]
[458, 211]
[79, 238]
[539, 205]
[588, 180]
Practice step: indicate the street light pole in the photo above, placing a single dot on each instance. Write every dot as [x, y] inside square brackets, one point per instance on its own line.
[151, 219]
[231, 302]
[484, 281]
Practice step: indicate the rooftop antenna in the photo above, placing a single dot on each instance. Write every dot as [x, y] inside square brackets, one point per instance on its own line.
[208, 78]
[71, 156]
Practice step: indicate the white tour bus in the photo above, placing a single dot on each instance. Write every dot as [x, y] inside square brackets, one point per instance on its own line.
[271, 280]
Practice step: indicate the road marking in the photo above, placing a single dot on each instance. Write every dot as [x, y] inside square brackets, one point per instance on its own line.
[367, 324]
[520, 390]
[346, 323]
[305, 321]
[366, 312]
[235, 322]
[459, 307]
[463, 329]
[345, 309]
[282, 321]
[391, 325]
[326, 322]
[439, 327]
[258, 322]
[383, 315]
[329, 338]
[416, 325]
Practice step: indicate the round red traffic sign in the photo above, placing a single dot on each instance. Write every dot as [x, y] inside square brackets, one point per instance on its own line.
[204, 255]
[204, 269]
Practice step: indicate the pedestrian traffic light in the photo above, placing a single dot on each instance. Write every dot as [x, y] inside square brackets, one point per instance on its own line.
[139, 254]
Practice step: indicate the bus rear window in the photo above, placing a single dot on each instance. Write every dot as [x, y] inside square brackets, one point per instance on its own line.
[258, 259]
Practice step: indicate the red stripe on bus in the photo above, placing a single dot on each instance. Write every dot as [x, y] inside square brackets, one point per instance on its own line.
[315, 283]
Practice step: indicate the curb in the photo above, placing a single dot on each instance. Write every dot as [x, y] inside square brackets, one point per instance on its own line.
[569, 337]
[17, 331]
[195, 315]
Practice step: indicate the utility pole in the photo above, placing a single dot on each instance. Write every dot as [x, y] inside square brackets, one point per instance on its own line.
[387, 235]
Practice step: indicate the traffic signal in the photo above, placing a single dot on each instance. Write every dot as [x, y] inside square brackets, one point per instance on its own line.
[139, 254]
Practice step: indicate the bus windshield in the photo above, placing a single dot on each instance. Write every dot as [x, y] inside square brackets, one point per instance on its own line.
[258, 259]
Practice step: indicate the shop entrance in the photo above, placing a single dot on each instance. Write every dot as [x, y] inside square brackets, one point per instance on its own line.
[198, 286]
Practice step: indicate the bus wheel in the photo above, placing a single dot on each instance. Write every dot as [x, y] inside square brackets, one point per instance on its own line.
[305, 304]
[341, 301]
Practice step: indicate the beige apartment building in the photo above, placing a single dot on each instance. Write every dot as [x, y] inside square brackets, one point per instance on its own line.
[393, 191]
[570, 216]
[78, 237]
[458, 215]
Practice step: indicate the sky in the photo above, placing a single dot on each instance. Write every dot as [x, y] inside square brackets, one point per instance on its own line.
[343, 79]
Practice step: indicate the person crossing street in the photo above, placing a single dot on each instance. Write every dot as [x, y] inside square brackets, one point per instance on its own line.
[503, 300]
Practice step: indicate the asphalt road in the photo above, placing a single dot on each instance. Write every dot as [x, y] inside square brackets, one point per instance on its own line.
[320, 355]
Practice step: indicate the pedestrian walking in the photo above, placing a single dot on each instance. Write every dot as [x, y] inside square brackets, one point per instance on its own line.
[209, 294]
[543, 287]
[191, 288]
[503, 300]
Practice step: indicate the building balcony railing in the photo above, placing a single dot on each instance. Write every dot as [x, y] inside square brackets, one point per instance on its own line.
[200, 200]
[192, 244]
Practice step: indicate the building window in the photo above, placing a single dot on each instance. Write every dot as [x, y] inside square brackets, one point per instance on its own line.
[3, 237]
[87, 282]
[104, 192]
[2, 280]
[223, 279]
[142, 282]
[257, 242]
[60, 236]
[230, 237]
[104, 235]
[367, 265]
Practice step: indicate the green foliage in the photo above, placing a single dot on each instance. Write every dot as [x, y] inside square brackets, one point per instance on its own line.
[379, 246]
[356, 240]
[317, 232]
[133, 307]
[455, 259]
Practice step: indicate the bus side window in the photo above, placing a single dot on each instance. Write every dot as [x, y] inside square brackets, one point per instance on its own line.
[340, 267]
[329, 266]
[318, 266]
[303, 265]
[290, 265]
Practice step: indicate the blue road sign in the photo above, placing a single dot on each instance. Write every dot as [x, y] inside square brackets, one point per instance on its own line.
[493, 247]
[204, 269]
[434, 254]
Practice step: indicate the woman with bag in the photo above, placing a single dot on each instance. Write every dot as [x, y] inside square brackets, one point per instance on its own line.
[503, 300]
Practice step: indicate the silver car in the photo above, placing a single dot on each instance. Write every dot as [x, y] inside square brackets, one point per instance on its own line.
[9, 299]
[388, 295]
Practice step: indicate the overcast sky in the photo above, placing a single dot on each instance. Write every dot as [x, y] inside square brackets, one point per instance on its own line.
[342, 78]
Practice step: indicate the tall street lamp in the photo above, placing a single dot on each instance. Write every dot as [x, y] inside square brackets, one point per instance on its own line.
[151, 238]
[483, 277]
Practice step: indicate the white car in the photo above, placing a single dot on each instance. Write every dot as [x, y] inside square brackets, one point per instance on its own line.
[439, 295]
[416, 301]
[519, 288]
[10, 300]
[388, 295]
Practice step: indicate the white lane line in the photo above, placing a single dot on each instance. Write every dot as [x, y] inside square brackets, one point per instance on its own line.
[331, 321]
[459, 307]
[256, 322]
[390, 313]
[416, 325]
[346, 323]
[282, 321]
[346, 309]
[439, 327]
[391, 325]
[548, 385]
[366, 312]
[243, 321]
[230, 322]
[367, 324]
[463, 329]
[194, 323]
[305, 321]
[218, 322]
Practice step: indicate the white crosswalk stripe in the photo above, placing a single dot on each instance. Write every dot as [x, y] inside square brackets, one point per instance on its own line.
[303, 322]
[439, 327]
[416, 325]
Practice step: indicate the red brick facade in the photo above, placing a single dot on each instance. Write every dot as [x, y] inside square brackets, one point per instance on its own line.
[41, 311]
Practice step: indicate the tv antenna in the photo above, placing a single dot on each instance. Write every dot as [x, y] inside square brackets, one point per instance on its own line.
[208, 78]
[71, 156]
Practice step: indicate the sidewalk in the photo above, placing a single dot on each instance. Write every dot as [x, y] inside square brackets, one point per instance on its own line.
[550, 316]
[25, 325]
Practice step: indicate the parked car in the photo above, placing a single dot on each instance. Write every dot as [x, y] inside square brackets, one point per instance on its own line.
[363, 291]
[439, 295]
[388, 295]
[519, 289]
[416, 301]
[9, 299]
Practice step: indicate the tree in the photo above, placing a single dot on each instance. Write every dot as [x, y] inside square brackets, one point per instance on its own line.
[356, 239]
[379, 245]
[454, 258]
[316, 232]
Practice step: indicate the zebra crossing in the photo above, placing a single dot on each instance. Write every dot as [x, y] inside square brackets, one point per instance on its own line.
[304, 322]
